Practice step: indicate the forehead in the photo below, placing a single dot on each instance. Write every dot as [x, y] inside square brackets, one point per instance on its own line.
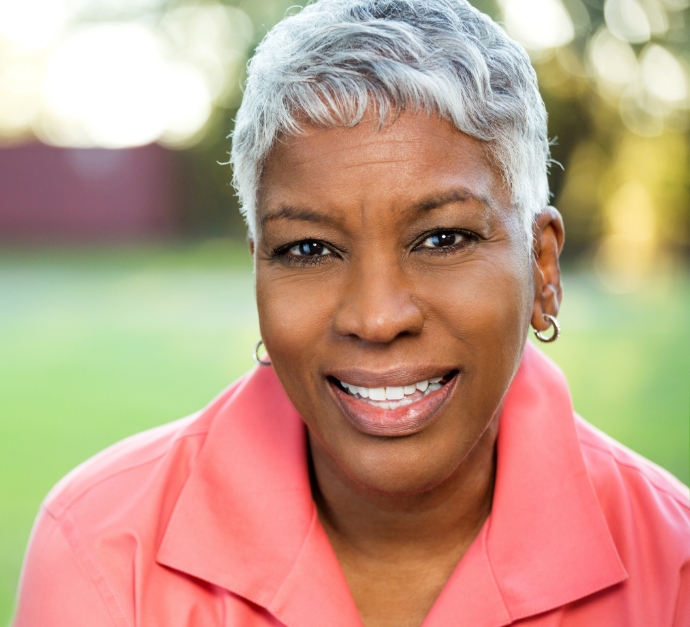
[415, 157]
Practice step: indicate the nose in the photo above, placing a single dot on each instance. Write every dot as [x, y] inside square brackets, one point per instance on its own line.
[378, 305]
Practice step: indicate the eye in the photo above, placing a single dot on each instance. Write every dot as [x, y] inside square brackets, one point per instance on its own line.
[309, 248]
[443, 239]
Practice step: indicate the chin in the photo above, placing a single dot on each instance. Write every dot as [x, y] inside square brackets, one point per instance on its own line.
[406, 465]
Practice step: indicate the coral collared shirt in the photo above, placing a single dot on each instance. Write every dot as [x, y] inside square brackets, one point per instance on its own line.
[209, 522]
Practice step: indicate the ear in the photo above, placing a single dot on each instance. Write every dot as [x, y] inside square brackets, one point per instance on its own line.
[252, 245]
[549, 236]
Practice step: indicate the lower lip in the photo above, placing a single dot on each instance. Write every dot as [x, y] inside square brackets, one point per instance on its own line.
[400, 421]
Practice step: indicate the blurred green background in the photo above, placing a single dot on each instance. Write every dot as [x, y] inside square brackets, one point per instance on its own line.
[126, 292]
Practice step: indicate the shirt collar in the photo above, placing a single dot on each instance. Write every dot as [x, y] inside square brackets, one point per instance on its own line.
[245, 519]
[547, 539]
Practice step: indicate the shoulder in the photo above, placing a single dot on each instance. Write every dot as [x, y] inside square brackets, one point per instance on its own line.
[640, 500]
[126, 464]
[100, 526]
[154, 461]
[603, 454]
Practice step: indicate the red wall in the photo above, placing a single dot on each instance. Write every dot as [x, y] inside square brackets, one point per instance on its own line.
[62, 194]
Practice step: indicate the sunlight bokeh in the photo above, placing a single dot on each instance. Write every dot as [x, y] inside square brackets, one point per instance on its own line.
[538, 24]
[116, 83]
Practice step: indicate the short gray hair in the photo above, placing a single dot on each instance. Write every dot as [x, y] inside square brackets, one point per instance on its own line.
[336, 60]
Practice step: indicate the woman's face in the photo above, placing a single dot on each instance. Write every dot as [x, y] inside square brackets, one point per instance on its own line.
[395, 290]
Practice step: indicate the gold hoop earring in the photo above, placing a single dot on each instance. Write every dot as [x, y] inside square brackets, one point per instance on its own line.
[556, 330]
[255, 355]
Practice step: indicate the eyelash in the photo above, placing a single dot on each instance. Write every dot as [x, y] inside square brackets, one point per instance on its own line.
[468, 238]
[282, 252]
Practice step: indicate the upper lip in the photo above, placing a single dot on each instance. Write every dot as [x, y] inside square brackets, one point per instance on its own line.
[394, 377]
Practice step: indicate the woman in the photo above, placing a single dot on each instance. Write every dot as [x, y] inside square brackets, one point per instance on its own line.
[404, 457]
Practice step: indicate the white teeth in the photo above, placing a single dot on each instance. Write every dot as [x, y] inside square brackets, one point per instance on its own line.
[377, 394]
[395, 393]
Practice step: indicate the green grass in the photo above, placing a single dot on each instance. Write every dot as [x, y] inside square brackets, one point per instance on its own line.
[97, 345]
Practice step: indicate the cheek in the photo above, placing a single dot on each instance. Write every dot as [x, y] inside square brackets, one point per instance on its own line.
[484, 312]
[296, 318]
[295, 315]
[486, 304]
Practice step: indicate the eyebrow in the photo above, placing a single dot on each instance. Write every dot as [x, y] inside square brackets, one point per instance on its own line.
[461, 194]
[303, 214]
[290, 212]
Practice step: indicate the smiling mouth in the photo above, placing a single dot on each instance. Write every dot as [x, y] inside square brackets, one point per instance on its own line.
[393, 410]
[392, 397]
